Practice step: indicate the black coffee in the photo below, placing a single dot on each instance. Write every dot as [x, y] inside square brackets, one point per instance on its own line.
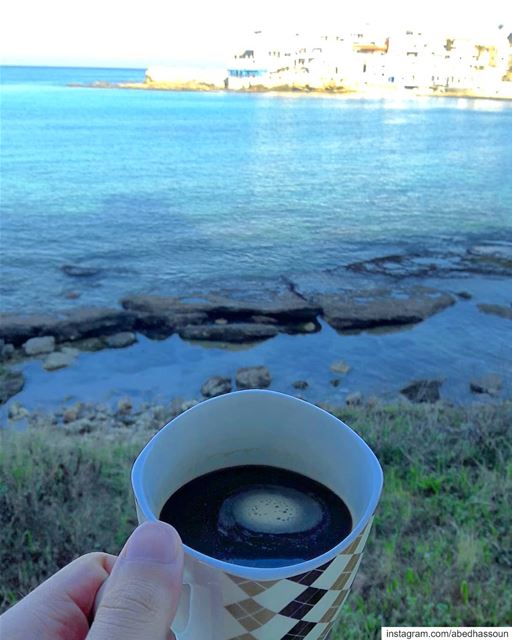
[258, 516]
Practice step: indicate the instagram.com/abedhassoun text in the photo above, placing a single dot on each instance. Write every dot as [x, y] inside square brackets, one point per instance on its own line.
[409, 633]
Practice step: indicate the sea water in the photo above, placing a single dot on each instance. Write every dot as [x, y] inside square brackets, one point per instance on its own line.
[171, 191]
[180, 192]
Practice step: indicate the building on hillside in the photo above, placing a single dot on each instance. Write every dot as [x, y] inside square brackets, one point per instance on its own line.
[369, 58]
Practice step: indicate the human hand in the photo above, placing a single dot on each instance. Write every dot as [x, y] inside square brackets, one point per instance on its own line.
[132, 597]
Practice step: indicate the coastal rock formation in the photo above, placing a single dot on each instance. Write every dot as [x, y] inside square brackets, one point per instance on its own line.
[216, 386]
[39, 346]
[490, 384]
[237, 333]
[83, 322]
[422, 390]
[357, 310]
[283, 308]
[497, 310]
[484, 259]
[11, 382]
[253, 378]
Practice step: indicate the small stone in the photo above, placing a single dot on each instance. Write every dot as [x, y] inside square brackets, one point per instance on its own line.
[300, 384]
[11, 382]
[58, 360]
[490, 384]
[335, 382]
[70, 415]
[124, 406]
[39, 346]
[372, 402]
[308, 327]
[497, 310]
[253, 378]
[216, 386]
[422, 390]
[188, 404]
[340, 367]
[221, 321]
[120, 340]
[17, 411]
[83, 425]
[354, 399]
[464, 295]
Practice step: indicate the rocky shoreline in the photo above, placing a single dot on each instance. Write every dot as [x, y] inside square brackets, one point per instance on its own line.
[81, 417]
[305, 89]
[391, 298]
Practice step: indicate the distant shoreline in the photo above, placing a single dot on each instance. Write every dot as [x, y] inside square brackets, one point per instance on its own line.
[370, 92]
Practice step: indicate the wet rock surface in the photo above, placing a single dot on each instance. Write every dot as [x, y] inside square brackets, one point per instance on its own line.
[39, 346]
[78, 271]
[58, 360]
[496, 310]
[11, 382]
[79, 323]
[422, 390]
[237, 333]
[216, 386]
[358, 310]
[253, 378]
[490, 384]
[120, 340]
[485, 259]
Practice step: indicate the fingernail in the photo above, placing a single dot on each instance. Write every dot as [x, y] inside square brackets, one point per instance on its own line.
[152, 542]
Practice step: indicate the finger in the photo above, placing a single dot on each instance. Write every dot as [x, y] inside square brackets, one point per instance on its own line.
[61, 606]
[142, 594]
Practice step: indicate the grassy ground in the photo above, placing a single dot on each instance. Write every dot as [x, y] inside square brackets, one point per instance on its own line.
[440, 552]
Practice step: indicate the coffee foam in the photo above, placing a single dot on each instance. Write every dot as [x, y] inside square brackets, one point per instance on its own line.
[272, 509]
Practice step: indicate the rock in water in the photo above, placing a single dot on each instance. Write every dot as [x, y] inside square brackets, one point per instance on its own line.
[490, 384]
[120, 340]
[354, 399]
[253, 378]
[216, 386]
[422, 390]
[237, 333]
[39, 346]
[11, 382]
[77, 271]
[17, 412]
[369, 309]
[497, 310]
[340, 367]
[58, 360]
[300, 384]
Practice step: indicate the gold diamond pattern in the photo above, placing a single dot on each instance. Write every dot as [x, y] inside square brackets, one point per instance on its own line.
[252, 616]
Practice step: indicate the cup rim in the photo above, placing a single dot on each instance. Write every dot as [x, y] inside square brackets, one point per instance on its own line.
[260, 573]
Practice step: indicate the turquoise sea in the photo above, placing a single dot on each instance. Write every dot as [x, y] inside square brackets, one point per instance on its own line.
[179, 192]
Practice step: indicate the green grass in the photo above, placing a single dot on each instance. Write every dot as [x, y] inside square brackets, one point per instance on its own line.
[440, 552]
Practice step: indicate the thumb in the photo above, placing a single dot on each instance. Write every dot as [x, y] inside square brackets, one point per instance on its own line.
[141, 595]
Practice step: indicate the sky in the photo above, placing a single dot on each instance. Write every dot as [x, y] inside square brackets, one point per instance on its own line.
[136, 33]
